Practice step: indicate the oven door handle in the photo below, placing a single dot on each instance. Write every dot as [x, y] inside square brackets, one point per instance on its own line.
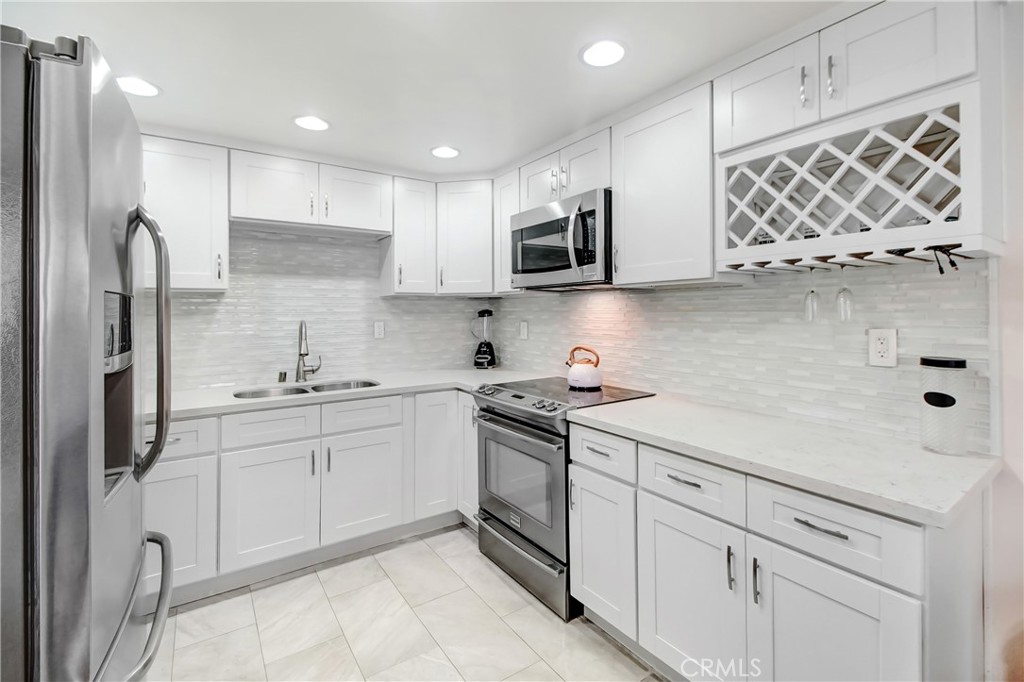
[553, 571]
[489, 423]
[573, 215]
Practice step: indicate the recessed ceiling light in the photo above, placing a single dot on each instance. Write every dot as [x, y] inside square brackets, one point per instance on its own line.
[603, 53]
[312, 123]
[444, 152]
[137, 86]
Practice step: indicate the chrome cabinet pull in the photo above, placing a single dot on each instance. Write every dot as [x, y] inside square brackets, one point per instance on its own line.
[615, 259]
[312, 453]
[327, 204]
[834, 533]
[311, 205]
[730, 579]
[591, 448]
[757, 592]
[399, 274]
[830, 88]
[692, 484]
[554, 182]
[803, 85]
[442, 276]
[328, 460]
[572, 498]
[169, 441]
[565, 178]
[220, 262]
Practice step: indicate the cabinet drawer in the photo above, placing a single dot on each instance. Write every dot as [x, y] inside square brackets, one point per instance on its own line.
[186, 438]
[269, 426]
[705, 487]
[359, 415]
[613, 455]
[873, 545]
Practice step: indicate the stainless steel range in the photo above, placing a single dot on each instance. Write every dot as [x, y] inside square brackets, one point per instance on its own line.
[524, 458]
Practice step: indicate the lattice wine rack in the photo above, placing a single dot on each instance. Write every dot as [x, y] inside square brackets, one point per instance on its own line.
[886, 193]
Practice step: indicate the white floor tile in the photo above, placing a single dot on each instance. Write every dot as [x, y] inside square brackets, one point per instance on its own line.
[351, 575]
[217, 615]
[293, 616]
[332, 660]
[234, 656]
[476, 640]
[418, 573]
[493, 585]
[458, 541]
[432, 666]
[538, 672]
[380, 627]
[160, 671]
[575, 650]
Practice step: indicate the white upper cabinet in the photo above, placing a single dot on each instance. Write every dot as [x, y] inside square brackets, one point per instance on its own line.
[355, 199]
[464, 234]
[538, 182]
[414, 245]
[771, 95]
[506, 205]
[275, 188]
[186, 189]
[581, 166]
[661, 205]
[893, 49]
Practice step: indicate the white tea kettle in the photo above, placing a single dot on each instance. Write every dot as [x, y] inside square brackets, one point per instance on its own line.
[583, 372]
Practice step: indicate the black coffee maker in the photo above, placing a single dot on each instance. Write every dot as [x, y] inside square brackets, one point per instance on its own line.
[485, 357]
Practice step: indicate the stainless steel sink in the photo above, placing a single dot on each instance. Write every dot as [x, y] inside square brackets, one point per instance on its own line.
[344, 385]
[271, 392]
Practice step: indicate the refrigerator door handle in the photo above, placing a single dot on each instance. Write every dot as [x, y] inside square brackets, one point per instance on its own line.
[163, 604]
[163, 339]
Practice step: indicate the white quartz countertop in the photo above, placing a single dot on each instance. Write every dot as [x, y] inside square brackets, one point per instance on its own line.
[894, 477]
[208, 402]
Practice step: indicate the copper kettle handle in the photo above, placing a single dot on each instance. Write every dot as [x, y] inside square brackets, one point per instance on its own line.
[572, 353]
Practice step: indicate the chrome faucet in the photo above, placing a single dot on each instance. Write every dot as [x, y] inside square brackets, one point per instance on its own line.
[302, 370]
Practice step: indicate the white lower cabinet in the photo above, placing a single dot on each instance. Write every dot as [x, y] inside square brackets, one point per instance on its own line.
[181, 502]
[692, 590]
[361, 484]
[468, 479]
[602, 547]
[437, 453]
[807, 620]
[270, 503]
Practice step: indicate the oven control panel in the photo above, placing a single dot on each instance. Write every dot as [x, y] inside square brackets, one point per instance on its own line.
[521, 400]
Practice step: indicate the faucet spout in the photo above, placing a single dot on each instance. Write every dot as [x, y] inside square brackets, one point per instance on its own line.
[302, 370]
[303, 344]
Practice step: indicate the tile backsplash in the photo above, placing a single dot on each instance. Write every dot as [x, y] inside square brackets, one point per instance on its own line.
[746, 347]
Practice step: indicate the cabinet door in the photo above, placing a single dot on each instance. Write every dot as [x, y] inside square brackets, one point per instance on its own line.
[602, 545]
[585, 165]
[437, 453]
[187, 191]
[361, 485]
[469, 484]
[355, 198]
[415, 237]
[464, 234]
[661, 175]
[181, 502]
[812, 621]
[692, 597]
[771, 95]
[269, 503]
[538, 182]
[892, 49]
[265, 187]
[506, 205]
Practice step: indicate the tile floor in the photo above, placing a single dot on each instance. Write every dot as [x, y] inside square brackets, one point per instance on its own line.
[432, 608]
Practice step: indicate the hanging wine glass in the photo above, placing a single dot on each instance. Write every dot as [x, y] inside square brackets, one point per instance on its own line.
[811, 300]
[844, 299]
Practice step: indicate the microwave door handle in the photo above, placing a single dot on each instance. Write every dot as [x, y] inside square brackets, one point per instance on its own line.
[573, 215]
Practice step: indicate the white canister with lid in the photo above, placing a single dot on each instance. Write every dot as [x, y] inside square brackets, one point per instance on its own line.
[943, 408]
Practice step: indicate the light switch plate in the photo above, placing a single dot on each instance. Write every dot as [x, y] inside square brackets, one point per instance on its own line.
[524, 330]
[378, 329]
[882, 350]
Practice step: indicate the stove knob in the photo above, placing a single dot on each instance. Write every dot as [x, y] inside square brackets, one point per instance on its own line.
[539, 404]
[552, 407]
[482, 388]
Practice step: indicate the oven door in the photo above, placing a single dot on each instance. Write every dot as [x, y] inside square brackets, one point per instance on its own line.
[562, 243]
[522, 481]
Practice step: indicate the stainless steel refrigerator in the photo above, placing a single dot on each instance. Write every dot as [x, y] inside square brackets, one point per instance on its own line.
[72, 537]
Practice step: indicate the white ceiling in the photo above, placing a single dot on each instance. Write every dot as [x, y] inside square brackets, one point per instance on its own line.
[495, 80]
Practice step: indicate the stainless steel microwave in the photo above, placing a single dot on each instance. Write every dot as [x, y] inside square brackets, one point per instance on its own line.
[564, 244]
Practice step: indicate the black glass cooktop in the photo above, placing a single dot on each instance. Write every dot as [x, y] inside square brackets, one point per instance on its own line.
[557, 388]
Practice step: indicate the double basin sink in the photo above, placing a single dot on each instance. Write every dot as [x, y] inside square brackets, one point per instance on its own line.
[278, 391]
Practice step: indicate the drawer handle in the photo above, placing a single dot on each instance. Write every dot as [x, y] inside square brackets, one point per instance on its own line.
[591, 448]
[729, 578]
[692, 484]
[572, 498]
[169, 441]
[834, 533]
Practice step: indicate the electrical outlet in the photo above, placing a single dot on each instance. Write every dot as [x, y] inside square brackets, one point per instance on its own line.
[882, 351]
[524, 330]
[378, 329]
